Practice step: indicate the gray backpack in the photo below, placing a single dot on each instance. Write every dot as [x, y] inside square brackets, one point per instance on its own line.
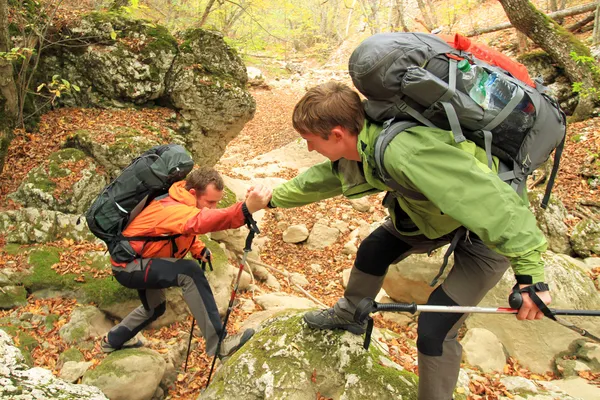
[414, 77]
[148, 176]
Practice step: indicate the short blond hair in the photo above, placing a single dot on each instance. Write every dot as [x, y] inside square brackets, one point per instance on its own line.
[326, 106]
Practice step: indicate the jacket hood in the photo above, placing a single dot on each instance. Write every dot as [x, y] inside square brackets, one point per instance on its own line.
[179, 193]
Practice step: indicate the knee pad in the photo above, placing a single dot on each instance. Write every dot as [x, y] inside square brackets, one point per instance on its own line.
[434, 327]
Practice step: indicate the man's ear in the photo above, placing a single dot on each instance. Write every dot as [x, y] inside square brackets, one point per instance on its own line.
[339, 133]
[193, 192]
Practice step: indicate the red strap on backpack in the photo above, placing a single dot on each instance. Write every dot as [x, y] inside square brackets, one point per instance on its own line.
[490, 56]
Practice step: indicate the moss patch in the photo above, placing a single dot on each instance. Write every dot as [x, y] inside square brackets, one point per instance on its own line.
[26, 344]
[108, 366]
[106, 291]
[13, 249]
[229, 198]
[43, 276]
[71, 354]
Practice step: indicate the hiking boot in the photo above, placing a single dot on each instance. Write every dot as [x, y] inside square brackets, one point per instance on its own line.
[328, 319]
[130, 344]
[231, 344]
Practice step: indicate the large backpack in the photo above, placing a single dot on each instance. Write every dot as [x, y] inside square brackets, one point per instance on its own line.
[148, 176]
[414, 77]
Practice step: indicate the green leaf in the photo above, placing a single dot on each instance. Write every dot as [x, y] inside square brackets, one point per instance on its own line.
[77, 89]
[113, 35]
[40, 87]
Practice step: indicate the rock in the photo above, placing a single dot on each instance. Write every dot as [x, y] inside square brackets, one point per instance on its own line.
[86, 322]
[551, 221]
[299, 279]
[322, 236]
[39, 189]
[176, 310]
[579, 388]
[535, 343]
[408, 280]
[518, 384]
[282, 301]
[346, 276]
[350, 248]
[295, 234]
[32, 225]
[254, 74]
[282, 226]
[280, 361]
[570, 368]
[201, 76]
[316, 268]
[402, 319]
[482, 349]
[132, 374]
[211, 98]
[20, 383]
[12, 296]
[272, 282]
[340, 226]
[592, 262]
[72, 371]
[362, 204]
[585, 238]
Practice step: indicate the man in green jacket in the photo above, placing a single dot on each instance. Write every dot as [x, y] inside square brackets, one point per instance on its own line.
[464, 199]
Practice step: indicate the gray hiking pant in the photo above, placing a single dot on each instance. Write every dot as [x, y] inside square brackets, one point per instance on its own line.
[476, 270]
[150, 276]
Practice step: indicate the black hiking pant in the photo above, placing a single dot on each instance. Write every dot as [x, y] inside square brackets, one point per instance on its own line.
[150, 280]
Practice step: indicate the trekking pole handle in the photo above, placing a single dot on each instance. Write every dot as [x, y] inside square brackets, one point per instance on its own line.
[367, 306]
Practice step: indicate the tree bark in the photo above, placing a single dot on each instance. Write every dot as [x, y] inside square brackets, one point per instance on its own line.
[400, 21]
[8, 89]
[557, 42]
[596, 34]
[558, 14]
[206, 12]
[426, 18]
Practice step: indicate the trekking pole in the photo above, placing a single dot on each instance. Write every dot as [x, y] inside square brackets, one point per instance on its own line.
[247, 249]
[203, 266]
[368, 306]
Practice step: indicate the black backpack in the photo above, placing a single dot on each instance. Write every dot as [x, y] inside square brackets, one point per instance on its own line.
[148, 176]
[415, 77]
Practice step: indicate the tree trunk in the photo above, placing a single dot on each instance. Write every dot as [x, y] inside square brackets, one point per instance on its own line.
[400, 21]
[8, 89]
[558, 14]
[206, 12]
[427, 19]
[596, 34]
[350, 17]
[557, 42]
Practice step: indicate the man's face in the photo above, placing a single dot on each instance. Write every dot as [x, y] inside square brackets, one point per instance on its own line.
[209, 198]
[330, 147]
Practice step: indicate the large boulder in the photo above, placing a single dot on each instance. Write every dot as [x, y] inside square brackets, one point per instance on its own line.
[67, 183]
[585, 238]
[18, 382]
[33, 225]
[551, 221]
[536, 343]
[121, 62]
[287, 360]
[132, 374]
[408, 280]
[206, 84]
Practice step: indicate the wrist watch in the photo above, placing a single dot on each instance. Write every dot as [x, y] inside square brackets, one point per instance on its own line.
[540, 287]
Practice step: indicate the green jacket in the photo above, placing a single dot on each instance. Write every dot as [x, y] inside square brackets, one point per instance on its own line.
[455, 178]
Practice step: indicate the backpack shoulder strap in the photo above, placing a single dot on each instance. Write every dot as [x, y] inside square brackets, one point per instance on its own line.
[390, 130]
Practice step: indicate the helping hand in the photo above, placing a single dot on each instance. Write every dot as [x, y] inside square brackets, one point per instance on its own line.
[258, 197]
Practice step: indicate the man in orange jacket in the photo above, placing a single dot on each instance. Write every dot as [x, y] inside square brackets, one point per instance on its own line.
[189, 209]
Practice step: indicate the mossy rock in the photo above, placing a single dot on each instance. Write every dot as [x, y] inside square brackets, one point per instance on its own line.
[229, 198]
[40, 188]
[71, 354]
[585, 238]
[102, 291]
[12, 296]
[287, 360]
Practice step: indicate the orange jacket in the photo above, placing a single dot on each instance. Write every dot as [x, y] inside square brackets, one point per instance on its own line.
[177, 214]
